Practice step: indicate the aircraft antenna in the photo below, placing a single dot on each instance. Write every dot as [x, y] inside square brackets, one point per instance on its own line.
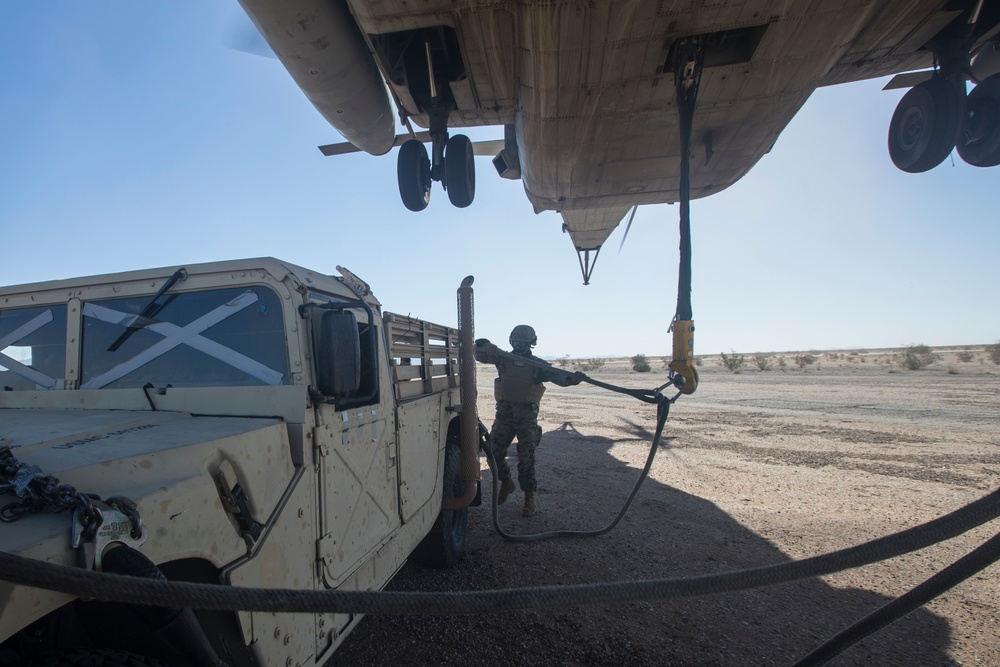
[628, 227]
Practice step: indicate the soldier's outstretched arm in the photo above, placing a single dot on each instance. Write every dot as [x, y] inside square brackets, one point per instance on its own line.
[487, 352]
[565, 378]
[550, 373]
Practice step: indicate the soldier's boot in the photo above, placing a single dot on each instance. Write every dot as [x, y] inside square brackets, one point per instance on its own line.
[529, 504]
[507, 487]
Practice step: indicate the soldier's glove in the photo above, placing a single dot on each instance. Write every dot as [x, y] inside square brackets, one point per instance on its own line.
[570, 379]
[485, 350]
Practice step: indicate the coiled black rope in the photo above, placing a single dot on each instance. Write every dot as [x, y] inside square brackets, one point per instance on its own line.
[662, 412]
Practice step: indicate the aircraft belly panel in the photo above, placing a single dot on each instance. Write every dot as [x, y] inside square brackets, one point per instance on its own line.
[488, 95]
[606, 136]
[589, 229]
[892, 40]
[590, 91]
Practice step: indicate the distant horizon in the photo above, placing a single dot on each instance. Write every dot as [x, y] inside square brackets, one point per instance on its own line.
[860, 349]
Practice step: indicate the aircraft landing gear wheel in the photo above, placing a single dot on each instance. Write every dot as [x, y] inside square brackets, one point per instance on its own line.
[979, 144]
[926, 124]
[460, 171]
[413, 170]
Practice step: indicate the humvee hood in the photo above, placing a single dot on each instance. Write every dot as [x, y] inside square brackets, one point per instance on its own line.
[163, 461]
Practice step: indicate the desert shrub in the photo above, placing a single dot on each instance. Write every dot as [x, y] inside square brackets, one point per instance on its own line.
[589, 365]
[762, 361]
[803, 360]
[734, 362]
[782, 364]
[917, 356]
[966, 356]
[640, 364]
[952, 370]
[562, 361]
[994, 352]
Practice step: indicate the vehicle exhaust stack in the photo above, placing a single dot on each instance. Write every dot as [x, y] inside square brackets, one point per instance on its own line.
[469, 415]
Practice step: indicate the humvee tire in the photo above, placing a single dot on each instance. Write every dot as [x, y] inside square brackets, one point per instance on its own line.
[444, 545]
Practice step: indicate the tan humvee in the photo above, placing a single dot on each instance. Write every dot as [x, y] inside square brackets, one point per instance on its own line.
[273, 425]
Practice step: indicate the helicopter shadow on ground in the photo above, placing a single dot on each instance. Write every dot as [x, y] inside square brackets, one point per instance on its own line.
[665, 533]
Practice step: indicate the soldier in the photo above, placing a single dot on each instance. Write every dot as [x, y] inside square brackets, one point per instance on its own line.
[518, 390]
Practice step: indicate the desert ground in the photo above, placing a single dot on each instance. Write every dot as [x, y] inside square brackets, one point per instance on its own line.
[757, 467]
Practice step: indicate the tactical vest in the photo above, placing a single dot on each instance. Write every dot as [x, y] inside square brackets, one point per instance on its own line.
[516, 384]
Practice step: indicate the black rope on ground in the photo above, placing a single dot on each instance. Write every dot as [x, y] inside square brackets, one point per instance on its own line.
[974, 562]
[662, 412]
[134, 590]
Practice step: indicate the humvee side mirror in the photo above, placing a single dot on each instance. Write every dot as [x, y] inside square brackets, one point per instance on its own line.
[339, 363]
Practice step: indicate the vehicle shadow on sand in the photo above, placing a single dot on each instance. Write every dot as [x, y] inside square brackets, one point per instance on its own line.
[665, 533]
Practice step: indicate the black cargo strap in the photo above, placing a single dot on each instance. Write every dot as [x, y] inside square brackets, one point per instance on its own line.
[662, 411]
[141, 591]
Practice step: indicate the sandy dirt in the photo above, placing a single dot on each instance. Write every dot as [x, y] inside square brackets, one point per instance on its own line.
[756, 468]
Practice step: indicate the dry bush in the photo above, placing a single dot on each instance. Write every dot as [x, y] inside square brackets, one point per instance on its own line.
[803, 360]
[589, 365]
[994, 352]
[917, 356]
[733, 362]
[640, 364]
[762, 361]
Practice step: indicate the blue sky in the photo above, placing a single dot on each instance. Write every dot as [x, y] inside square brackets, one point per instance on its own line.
[133, 137]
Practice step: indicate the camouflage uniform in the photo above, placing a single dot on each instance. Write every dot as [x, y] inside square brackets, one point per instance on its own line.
[520, 419]
[518, 389]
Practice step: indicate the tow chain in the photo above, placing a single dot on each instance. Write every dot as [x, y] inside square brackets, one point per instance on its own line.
[96, 524]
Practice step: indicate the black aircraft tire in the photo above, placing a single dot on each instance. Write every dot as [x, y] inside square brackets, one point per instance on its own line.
[460, 171]
[413, 171]
[926, 124]
[444, 545]
[979, 144]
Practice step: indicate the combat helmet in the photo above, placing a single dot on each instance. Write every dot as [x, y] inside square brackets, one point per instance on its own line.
[524, 335]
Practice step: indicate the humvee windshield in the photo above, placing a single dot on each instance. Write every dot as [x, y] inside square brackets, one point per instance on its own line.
[215, 338]
[33, 348]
